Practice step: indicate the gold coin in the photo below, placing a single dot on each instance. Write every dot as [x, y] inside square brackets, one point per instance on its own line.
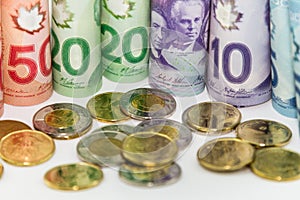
[149, 149]
[1, 170]
[212, 117]
[26, 147]
[149, 176]
[277, 164]
[106, 107]
[63, 120]
[147, 103]
[8, 126]
[264, 133]
[75, 176]
[225, 154]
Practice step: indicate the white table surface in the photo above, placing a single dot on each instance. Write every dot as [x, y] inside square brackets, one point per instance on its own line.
[195, 182]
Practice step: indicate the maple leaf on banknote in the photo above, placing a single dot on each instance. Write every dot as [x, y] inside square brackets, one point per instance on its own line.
[119, 8]
[60, 14]
[226, 15]
[29, 20]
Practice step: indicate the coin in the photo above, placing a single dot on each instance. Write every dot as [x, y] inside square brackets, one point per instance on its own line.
[211, 117]
[63, 120]
[175, 130]
[124, 128]
[149, 149]
[276, 164]
[264, 133]
[26, 147]
[1, 170]
[76, 176]
[105, 107]
[225, 154]
[149, 177]
[147, 103]
[102, 148]
[8, 126]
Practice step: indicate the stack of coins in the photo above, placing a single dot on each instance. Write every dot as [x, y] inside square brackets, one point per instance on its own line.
[258, 145]
[212, 118]
[149, 160]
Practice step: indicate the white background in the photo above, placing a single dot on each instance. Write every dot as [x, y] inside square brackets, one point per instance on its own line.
[195, 182]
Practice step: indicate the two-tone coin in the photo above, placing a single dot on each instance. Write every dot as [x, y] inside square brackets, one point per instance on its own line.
[102, 148]
[105, 107]
[8, 126]
[225, 154]
[150, 177]
[75, 176]
[26, 147]
[124, 128]
[264, 133]
[147, 103]
[175, 130]
[276, 163]
[63, 120]
[149, 149]
[211, 117]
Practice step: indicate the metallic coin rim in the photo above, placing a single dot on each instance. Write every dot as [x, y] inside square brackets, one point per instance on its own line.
[1, 170]
[15, 123]
[238, 131]
[126, 126]
[263, 175]
[167, 161]
[54, 186]
[27, 163]
[185, 135]
[222, 169]
[82, 127]
[102, 119]
[204, 130]
[127, 109]
[149, 184]
[82, 148]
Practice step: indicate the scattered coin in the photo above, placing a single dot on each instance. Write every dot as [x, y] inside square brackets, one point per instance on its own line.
[124, 128]
[175, 130]
[63, 120]
[211, 117]
[102, 148]
[26, 147]
[149, 149]
[8, 126]
[75, 176]
[264, 133]
[225, 154]
[105, 107]
[149, 177]
[147, 103]
[277, 164]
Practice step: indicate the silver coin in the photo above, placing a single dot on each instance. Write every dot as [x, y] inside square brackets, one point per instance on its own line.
[175, 130]
[149, 177]
[102, 148]
[63, 120]
[147, 103]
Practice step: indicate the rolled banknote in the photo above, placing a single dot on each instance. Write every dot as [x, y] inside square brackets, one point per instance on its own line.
[283, 90]
[1, 69]
[239, 69]
[27, 71]
[76, 50]
[124, 36]
[178, 42]
[294, 15]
